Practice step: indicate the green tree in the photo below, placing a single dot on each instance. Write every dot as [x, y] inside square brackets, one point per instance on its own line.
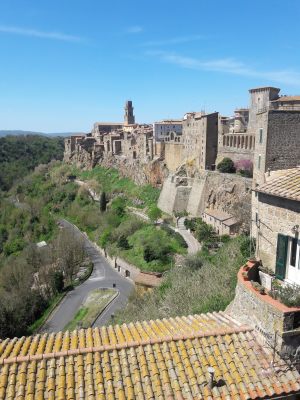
[57, 281]
[154, 213]
[103, 202]
[226, 165]
[204, 232]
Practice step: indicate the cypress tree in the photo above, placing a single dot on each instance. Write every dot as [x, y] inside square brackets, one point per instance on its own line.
[103, 202]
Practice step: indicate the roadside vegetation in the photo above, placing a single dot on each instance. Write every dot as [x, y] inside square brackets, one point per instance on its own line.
[204, 283]
[32, 278]
[120, 232]
[95, 303]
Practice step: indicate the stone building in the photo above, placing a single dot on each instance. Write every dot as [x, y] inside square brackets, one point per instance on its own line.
[200, 139]
[235, 141]
[276, 128]
[162, 129]
[222, 222]
[267, 134]
[276, 223]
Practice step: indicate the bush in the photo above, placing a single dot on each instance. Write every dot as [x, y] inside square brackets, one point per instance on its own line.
[202, 284]
[226, 165]
[122, 243]
[118, 206]
[58, 281]
[205, 232]
[190, 224]
[14, 246]
[288, 295]
[193, 262]
[154, 213]
[247, 246]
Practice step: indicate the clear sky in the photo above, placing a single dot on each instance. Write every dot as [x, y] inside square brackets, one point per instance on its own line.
[67, 63]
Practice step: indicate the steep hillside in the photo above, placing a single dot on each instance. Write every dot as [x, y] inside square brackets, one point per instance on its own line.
[21, 154]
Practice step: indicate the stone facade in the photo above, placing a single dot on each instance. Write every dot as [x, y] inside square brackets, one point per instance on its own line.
[223, 223]
[276, 325]
[230, 193]
[162, 129]
[272, 215]
[200, 139]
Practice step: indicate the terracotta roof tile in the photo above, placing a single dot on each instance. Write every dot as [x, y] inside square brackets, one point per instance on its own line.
[286, 184]
[162, 359]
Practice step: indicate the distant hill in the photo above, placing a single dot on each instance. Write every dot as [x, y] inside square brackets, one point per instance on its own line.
[20, 154]
[22, 133]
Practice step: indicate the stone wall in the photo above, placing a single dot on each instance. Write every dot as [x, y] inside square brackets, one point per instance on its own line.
[283, 142]
[234, 154]
[227, 192]
[175, 194]
[173, 154]
[273, 215]
[276, 324]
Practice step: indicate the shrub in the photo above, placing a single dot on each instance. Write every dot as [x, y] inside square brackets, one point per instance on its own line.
[122, 243]
[247, 246]
[289, 295]
[204, 232]
[193, 262]
[154, 213]
[14, 246]
[57, 281]
[118, 206]
[226, 165]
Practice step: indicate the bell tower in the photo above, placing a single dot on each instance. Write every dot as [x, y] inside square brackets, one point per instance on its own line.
[128, 116]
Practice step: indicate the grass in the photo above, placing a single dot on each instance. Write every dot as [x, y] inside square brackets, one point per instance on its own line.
[194, 288]
[40, 322]
[110, 181]
[95, 303]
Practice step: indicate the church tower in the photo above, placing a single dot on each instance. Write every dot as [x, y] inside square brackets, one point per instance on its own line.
[129, 117]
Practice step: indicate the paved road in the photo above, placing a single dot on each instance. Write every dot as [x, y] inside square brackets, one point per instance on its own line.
[103, 276]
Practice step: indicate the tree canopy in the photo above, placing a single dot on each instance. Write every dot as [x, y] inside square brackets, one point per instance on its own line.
[21, 154]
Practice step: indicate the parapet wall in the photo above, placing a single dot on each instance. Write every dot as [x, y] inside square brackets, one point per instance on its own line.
[276, 324]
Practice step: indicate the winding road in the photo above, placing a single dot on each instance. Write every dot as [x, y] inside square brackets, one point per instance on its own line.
[103, 276]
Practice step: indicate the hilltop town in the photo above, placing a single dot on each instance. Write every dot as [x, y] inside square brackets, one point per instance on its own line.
[210, 316]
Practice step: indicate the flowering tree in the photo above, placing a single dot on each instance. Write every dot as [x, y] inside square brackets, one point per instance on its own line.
[244, 167]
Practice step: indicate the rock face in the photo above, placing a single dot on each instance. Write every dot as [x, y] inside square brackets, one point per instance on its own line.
[141, 172]
[208, 189]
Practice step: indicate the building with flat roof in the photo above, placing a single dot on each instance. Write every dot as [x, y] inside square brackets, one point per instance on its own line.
[162, 129]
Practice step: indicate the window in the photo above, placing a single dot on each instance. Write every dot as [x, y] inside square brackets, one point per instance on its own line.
[259, 161]
[293, 252]
[260, 135]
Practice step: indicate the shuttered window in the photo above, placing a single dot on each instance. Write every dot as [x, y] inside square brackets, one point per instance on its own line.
[281, 256]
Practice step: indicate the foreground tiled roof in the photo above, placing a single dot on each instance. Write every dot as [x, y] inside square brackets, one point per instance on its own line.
[162, 359]
[286, 183]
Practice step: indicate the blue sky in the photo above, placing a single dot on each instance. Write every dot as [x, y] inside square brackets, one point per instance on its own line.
[67, 63]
